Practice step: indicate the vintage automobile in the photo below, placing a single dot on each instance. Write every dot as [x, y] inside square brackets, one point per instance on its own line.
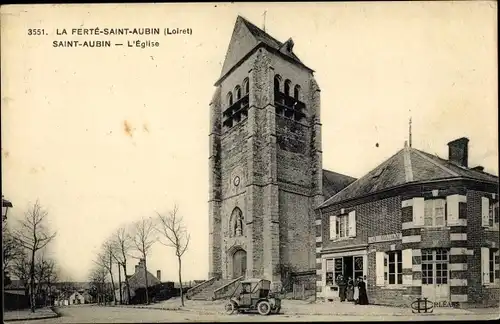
[251, 295]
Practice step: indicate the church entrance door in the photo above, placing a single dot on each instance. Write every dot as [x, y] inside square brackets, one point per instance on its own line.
[239, 263]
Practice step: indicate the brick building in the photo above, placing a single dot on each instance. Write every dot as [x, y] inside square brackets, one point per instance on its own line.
[416, 226]
[266, 176]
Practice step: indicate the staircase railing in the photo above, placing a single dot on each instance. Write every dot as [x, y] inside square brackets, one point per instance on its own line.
[199, 287]
[228, 289]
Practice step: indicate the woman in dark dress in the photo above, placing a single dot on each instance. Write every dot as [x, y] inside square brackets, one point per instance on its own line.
[342, 287]
[363, 297]
[350, 290]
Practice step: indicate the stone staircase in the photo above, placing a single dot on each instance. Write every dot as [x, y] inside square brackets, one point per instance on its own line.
[207, 292]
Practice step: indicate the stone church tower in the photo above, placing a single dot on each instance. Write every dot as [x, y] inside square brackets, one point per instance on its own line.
[265, 159]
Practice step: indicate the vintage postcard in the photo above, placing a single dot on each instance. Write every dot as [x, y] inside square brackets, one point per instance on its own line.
[222, 162]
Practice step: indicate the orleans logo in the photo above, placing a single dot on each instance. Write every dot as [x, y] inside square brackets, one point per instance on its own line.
[422, 305]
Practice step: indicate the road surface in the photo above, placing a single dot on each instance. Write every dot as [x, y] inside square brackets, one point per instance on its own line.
[101, 314]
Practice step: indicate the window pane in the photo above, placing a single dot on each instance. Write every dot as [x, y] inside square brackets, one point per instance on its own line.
[400, 279]
[392, 268]
[358, 263]
[392, 257]
[400, 267]
[392, 278]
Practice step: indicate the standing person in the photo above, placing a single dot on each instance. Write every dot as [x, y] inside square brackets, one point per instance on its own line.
[356, 291]
[342, 287]
[350, 290]
[363, 297]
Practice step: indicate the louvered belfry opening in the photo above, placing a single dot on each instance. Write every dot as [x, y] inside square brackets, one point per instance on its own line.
[288, 102]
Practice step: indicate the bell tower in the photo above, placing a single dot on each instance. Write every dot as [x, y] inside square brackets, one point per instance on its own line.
[265, 174]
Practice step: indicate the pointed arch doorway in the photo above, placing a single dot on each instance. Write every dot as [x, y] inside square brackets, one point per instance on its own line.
[239, 263]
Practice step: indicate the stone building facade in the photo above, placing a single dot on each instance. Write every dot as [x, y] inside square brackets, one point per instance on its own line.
[415, 226]
[266, 176]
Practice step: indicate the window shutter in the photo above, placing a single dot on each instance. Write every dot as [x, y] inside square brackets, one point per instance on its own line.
[452, 209]
[485, 211]
[352, 224]
[407, 261]
[379, 264]
[333, 227]
[485, 265]
[418, 211]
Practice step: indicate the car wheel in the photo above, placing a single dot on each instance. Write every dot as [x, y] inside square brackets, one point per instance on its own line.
[229, 308]
[264, 307]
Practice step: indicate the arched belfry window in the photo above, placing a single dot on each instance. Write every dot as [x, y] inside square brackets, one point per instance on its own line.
[236, 222]
[237, 106]
[277, 83]
[246, 86]
[296, 92]
[237, 93]
[288, 84]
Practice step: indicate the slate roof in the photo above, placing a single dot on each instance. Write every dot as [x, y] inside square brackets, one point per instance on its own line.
[253, 37]
[137, 280]
[395, 171]
[334, 182]
[267, 39]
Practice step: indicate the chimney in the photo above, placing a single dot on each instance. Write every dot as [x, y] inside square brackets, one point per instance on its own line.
[158, 274]
[458, 151]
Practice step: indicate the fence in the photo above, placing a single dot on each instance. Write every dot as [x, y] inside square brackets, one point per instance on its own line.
[300, 286]
[304, 290]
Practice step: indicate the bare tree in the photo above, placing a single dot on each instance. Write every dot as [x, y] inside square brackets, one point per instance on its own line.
[21, 268]
[122, 245]
[176, 236]
[143, 240]
[10, 251]
[97, 280]
[45, 276]
[106, 259]
[33, 235]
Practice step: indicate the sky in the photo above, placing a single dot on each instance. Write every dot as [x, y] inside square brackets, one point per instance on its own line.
[105, 136]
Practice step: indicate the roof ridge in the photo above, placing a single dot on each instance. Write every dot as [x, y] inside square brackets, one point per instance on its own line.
[436, 163]
[384, 163]
[248, 22]
[342, 174]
